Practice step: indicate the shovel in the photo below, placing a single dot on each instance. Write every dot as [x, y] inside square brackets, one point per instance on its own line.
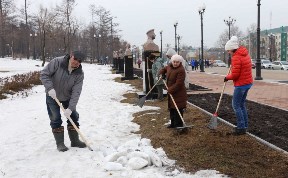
[75, 127]
[185, 127]
[213, 121]
[143, 99]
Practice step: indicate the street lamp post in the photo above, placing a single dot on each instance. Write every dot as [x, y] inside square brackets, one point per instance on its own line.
[33, 38]
[229, 22]
[161, 43]
[201, 12]
[97, 45]
[178, 39]
[258, 61]
[175, 25]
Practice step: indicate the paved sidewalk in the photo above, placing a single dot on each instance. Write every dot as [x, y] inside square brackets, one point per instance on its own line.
[267, 91]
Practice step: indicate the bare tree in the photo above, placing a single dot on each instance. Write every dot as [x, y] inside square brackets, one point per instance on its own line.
[55, 28]
[224, 37]
[6, 7]
[27, 30]
[65, 14]
[45, 24]
[105, 26]
[252, 28]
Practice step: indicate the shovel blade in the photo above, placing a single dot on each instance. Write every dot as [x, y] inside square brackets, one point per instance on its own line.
[213, 123]
[141, 101]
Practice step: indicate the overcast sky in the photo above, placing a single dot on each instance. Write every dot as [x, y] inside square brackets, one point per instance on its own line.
[136, 17]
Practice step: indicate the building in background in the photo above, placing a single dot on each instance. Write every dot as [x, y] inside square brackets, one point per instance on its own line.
[273, 44]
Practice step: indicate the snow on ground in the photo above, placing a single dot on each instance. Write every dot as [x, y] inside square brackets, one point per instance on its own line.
[28, 148]
[9, 67]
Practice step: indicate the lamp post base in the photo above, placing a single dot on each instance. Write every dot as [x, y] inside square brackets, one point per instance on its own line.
[258, 78]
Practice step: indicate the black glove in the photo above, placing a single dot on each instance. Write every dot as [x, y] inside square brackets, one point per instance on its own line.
[225, 79]
[163, 76]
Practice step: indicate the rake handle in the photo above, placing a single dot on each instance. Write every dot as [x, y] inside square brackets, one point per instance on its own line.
[175, 105]
[75, 127]
[224, 85]
[218, 105]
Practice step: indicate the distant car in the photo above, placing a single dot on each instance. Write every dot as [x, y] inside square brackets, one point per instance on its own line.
[266, 64]
[219, 63]
[280, 65]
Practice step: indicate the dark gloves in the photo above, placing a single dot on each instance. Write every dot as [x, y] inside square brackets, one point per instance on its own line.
[163, 76]
[225, 79]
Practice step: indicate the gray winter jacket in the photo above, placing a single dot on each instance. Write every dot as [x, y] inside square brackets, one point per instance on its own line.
[67, 86]
[156, 67]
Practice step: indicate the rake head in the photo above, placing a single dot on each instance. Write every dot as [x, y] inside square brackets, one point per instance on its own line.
[213, 122]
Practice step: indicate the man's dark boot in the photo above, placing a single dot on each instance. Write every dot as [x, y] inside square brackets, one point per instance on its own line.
[74, 138]
[239, 131]
[59, 138]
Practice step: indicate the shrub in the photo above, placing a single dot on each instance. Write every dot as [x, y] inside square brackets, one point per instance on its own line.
[19, 82]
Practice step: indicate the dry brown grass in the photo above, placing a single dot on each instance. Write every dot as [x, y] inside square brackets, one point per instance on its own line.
[201, 148]
[20, 82]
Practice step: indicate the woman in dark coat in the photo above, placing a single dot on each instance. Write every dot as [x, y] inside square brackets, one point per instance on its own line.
[175, 73]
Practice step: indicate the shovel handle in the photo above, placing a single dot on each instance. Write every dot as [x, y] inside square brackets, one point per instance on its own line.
[75, 127]
[153, 86]
[148, 74]
[175, 105]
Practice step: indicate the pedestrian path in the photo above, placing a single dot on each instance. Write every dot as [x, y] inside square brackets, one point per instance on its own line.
[264, 91]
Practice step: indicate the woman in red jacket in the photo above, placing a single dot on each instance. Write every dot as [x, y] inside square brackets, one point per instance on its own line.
[241, 74]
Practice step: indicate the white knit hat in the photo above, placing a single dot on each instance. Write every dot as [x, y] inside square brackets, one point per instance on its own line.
[177, 57]
[170, 52]
[232, 43]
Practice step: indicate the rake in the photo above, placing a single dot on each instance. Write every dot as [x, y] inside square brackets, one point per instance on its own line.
[213, 121]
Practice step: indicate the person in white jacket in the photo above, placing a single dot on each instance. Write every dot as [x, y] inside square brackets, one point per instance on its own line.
[186, 67]
[169, 54]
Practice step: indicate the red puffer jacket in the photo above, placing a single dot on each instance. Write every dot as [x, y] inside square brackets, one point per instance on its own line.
[241, 71]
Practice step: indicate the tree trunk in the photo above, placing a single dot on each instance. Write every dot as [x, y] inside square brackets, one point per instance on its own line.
[27, 31]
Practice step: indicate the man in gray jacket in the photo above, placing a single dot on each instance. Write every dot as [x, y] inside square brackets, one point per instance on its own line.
[63, 79]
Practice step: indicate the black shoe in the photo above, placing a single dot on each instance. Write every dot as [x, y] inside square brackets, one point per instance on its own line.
[170, 126]
[239, 132]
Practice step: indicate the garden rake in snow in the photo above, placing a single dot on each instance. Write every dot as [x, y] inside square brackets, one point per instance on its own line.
[143, 99]
[213, 121]
[75, 127]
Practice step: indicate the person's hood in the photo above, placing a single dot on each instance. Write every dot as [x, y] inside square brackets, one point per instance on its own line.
[242, 51]
[171, 52]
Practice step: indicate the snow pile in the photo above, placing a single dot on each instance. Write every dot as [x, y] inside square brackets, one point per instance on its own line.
[137, 154]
